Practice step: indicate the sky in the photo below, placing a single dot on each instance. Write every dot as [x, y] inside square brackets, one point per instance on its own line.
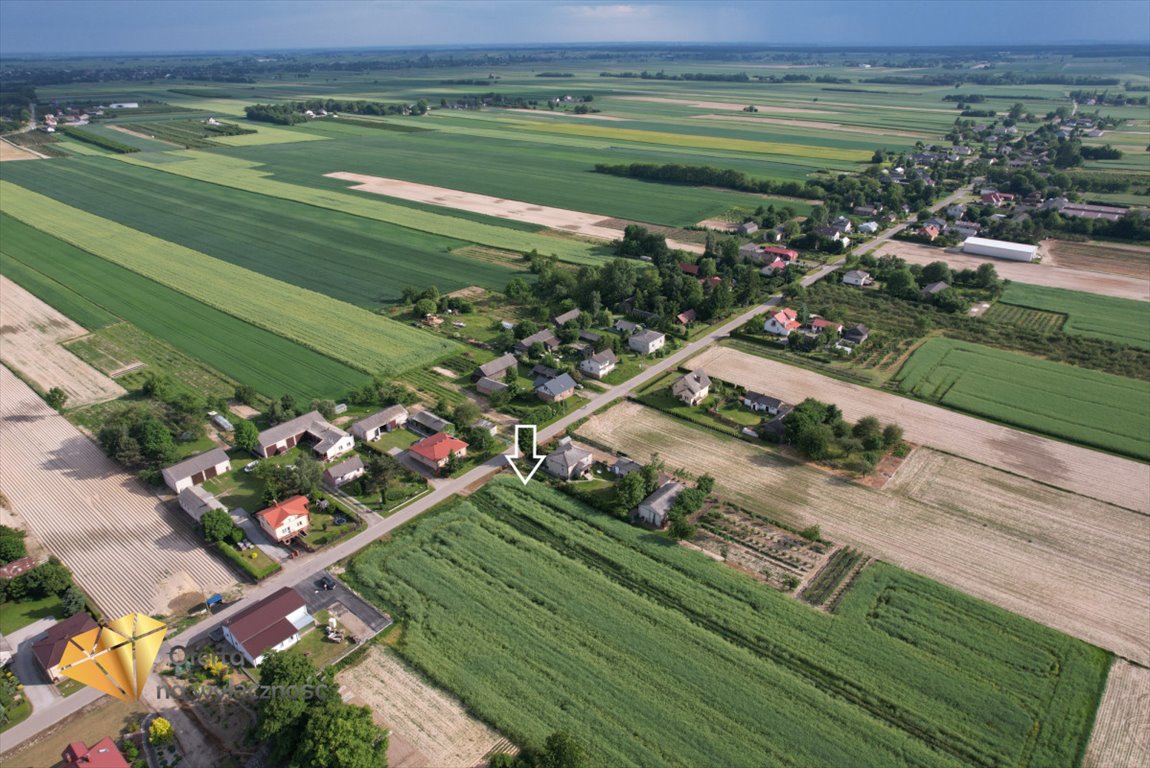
[135, 26]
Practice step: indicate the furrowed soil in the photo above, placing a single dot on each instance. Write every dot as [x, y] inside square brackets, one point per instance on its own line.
[30, 336]
[1121, 734]
[1096, 475]
[1120, 286]
[1118, 258]
[1072, 563]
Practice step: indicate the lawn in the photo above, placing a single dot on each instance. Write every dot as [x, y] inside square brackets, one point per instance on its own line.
[13, 616]
[1121, 320]
[1082, 406]
[397, 438]
[541, 614]
[342, 331]
[314, 646]
[271, 363]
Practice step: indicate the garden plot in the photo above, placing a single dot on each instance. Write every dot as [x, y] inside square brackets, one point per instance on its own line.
[30, 336]
[1122, 726]
[1066, 561]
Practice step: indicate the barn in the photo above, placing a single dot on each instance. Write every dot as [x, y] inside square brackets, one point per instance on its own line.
[982, 246]
[196, 470]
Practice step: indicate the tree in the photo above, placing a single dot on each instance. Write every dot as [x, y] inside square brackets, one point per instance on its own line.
[562, 751]
[247, 435]
[631, 490]
[56, 398]
[892, 435]
[901, 284]
[326, 408]
[51, 578]
[987, 276]
[339, 735]
[72, 601]
[217, 525]
[160, 731]
[308, 475]
[868, 430]
[11, 544]
[155, 440]
[281, 718]
[938, 271]
[706, 484]
[246, 394]
[466, 413]
[425, 307]
[816, 441]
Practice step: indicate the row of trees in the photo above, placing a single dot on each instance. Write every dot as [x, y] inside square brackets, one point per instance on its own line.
[50, 579]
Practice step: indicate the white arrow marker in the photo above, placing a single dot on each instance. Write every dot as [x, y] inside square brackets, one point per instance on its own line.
[511, 457]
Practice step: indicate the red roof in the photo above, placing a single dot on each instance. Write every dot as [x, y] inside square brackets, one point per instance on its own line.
[778, 264]
[275, 516]
[102, 754]
[688, 269]
[710, 282]
[438, 446]
[819, 322]
[787, 318]
[786, 253]
[686, 317]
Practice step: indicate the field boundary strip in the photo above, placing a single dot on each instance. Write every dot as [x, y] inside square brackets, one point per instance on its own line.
[334, 328]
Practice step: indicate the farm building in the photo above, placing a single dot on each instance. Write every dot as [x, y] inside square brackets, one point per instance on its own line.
[567, 461]
[344, 472]
[326, 440]
[490, 427]
[373, 426]
[856, 334]
[103, 754]
[496, 369]
[196, 501]
[692, 388]
[625, 466]
[427, 423]
[982, 246]
[655, 509]
[546, 337]
[857, 277]
[286, 520]
[934, 288]
[272, 624]
[782, 322]
[822, 325]
[433, 452]
[626, 327]
[487, 386]
[196, 470]
[647, 342]
[567, 317]
[556, 389]
[599, 364]
[748, 228]
[760, 403]
[49, 647]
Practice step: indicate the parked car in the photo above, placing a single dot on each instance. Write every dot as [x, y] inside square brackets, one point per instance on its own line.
[251, 465]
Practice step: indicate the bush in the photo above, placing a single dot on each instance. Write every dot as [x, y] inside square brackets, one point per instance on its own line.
[811, 533]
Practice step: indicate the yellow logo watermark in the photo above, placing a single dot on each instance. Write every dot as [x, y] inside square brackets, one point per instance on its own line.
[117, 657]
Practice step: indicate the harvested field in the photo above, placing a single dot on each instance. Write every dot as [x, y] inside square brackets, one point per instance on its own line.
[549, 113]
[836, 127]
[1069, 562]
[740, 106]
[94, 516]
[9, 151]
[430, 721]
[1082, 471]
[1118, 286]
[1118, 258]
[1122, 726]
[30, 336]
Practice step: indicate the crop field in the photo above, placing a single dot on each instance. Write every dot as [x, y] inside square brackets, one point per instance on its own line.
[275, 237]
[1083, 406]
[541, 614]
[985, 532]
[50, 268]
[1119, 258]
[1122, 320]
[1122, 729]
[1024, 317]
[346, 333]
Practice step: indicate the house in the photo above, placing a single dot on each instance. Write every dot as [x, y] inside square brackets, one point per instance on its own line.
[647, 342]
[967, 228]
[773, 267]
[782, 323]
[434, 452]
[196, 501]
[486, 386]
[842, 224]
[655, 509]
[49, 647]
[868, 227]
[996, 198]
[822, 325]
[686, 318]
[930, 232]
[856, 334]
[373, 426]
[103, 754]
[692, 388]
[567, 317]
[326, 440]
[599, 364]
[760, 403]
[286, 520]
[866, 210]
[773, 252]
[830, 233]
[344, 472]
[546, 337]
[567, 461]
[933, 289]
[689, 269]
[748, 228]
[590, 337]
[626, 327]
[272, 624]
[625, 466]
[749, 251]
[956, 211]
[17, 567]
[556, 389]
[427, 423]
[710, 282]
[857, 277]
[544, 372]
[196, 470]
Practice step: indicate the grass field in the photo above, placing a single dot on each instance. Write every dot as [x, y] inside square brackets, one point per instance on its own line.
[15, 244]
[1088, 407]
[51, 268]
[541, 614]
[346, 333]
[1122, 320]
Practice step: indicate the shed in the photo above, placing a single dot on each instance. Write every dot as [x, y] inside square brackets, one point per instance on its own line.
[983, 246]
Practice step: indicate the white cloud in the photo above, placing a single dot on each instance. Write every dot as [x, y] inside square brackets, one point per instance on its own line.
[609, 12]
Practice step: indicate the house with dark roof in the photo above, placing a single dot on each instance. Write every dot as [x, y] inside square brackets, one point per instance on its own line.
[856, 334]
[647, 342]
[372, 427]
[692, 388]
[567, 317]
[49, 647]
[344, 472]
[556, 389]
[496, 369]
[272, 624]
[326, 440]
[599, 364]
[546, 337]
[625, 466]
[434, 452]
[568, 461]
[427, 423]
[626, 327]
[103, 754]
[196, 470]
[760, 403]
[286, 520]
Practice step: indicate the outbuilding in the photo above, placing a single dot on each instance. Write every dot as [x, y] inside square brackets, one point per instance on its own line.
[196, 470]
[1002, 249]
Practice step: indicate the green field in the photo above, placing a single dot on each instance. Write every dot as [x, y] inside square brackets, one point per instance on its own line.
[541, 614]
[1083, 406]
[344, 332]
[1122, 320]
[53, 269]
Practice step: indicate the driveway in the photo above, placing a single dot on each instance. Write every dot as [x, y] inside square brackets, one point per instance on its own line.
[41, 693]
[258, 536]
[321, 599]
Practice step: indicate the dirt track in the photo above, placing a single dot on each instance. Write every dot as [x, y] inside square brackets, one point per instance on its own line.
[1122, 727]
[1068, 562]
[1088, 473]
[128, 551]
[30, 336]
[1120, 286]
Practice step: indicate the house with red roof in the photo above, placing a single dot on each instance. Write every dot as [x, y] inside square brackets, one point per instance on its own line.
[434, 452]
[286, 520]
[103, 754]
[782, 323]
[689, 269]
[822, 325]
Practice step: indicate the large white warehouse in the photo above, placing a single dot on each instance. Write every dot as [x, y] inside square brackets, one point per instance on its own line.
[982, 246]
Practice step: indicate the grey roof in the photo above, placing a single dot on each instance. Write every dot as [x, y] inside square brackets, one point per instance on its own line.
[296, 426]
[589, 336]
[377, 420]
[646, 337]
[222, 423]
[196, 501]
[606, 356]
[546, 337]
[564, 460]
[567, 317]
[695, 381]
[326, 434]
[770, 402]
[431, 421]
[497, 366]
[189, 467]
[487, 386]
[626, 326]
[934, 288]
[557, 386]
[625, 466]
[856, 332]
[345, 467]
[662, 499]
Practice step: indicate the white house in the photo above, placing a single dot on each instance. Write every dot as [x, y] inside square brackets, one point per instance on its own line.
[344, 472]
[196, 470]
[286, 520]
[692, 388]
[782, 323]
[655, 509]
[272, 624]
[868, 227]
[567, 461]
[857, 277]
[647, 342]
[760, 403]
[600, 364]
[326, 440]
